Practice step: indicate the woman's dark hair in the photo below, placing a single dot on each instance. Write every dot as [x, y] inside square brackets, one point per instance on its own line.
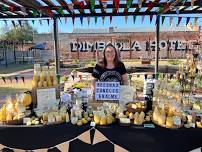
[116, 58]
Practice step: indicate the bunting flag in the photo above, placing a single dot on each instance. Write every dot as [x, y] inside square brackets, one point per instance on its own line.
[157, 75]
[116, 3]
[117, 148]
[134, 18]
[92, 4]
[177, 11]
[40, 22]
[171, 76]
[104, 3]
[81, 19]
[143, 18]
[63, 147]
[73, 19]
[192, 3]
[88, 20]
[5, 21]
[128, 3]
[10, 79]
[71, 7]
[33, 21]
[95, 19]
[81, 4]
[110, 18]
[150, 18]
[3, 8]
[171, 20]
[103, 20]
[11, 8]
[150, 5]
[145, 76]
[20, 23]
[140, 3]
[48, 21]
[50, 13]
[65, 20]
[16, 79]
[13, 22]
[60, 20]
[200, 3]
[34, 12]
[23, 79]
[60, 10]
[1, 147]
[195, 21]
[179, 20]
[163, 19]
[187, 22]
[161, 8]
[85, 137]
[126, 19]
[23, 9]
[98, 137]
[3, 78]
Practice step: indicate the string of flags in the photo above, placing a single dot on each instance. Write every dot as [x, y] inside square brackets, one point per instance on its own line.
[21, 22]
[10, 78]
[163, 7]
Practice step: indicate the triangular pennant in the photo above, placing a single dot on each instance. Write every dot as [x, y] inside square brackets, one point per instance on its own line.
[3, 78]
[145, 76]
[13, 22]
[116, 3]
[48, 21]
[20, 150]
[171, 21]
[98, 137]
[81, 4]
[179, 20]
[140, 3]
[33, 21]
[143, 18]
[104, 4]
[103, 20]
[10, 79]
[16, 79]
[177, 11]
[40, 22]
[117, 148]
[88, 20]
[192, 3]
[128, 3]
[195, 21]
[95, 19]
[5, 21]
[163, 19]
[71, 7]
[81, 19]
[161, 8]
[65, 20]
[134, 18]
[63, 147]
[20, 23]
[11, 8]
[23, 9]
[73, 19]
[23, 79]
[126, 19]
[187, 22]
[3, 8]
[50, 13]
[85, 137]
[150, 18]
[150, 5]
[60, 10]
[110, 19]
[34, 12]
[60, 20]
[92, 4]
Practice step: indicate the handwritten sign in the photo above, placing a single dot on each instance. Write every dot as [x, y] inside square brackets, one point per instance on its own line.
[107, 90]
[46, 98]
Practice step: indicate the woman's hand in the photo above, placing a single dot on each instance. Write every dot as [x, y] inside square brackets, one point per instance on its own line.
[125, 79]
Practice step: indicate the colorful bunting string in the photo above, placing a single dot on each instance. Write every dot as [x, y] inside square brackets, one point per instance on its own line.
[128, 3]
[60, 10]
[92, 3]
[3, 78]
[81, 19]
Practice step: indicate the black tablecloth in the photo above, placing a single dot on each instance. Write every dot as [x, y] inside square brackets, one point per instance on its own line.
[134, 139]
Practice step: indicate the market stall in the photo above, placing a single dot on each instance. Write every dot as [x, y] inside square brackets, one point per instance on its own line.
[43, 119]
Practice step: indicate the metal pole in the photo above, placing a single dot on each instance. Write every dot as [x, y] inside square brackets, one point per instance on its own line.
[157, 45]
[57, 55]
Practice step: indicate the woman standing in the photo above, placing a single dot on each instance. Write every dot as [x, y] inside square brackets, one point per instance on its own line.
[111, 69]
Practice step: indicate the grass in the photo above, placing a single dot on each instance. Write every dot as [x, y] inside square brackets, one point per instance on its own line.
[15, 67]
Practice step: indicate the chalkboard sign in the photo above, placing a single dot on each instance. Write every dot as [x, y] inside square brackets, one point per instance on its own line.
[107, 90]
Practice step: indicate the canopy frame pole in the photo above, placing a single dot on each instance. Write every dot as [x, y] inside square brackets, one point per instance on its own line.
[56, 43]
[157, 45]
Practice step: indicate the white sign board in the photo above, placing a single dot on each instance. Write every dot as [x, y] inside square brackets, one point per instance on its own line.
[107, 90]
[46, 98]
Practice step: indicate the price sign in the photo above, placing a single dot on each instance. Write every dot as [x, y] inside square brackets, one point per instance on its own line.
[107, 90]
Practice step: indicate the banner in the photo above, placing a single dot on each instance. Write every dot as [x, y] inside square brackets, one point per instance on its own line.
[98, 137]
[117, 148]
[85, 137]
[63, 147]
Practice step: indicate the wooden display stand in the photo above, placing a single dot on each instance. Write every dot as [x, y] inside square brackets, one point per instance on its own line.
[34, 93]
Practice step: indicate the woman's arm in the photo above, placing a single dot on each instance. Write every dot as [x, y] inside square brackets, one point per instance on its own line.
[93, 83]
[125, 79]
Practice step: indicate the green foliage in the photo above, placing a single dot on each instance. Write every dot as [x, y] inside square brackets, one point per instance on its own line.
[174, 62]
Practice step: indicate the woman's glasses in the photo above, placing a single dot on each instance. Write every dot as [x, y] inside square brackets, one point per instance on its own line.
[109, 52]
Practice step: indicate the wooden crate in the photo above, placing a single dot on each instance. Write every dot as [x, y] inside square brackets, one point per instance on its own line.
[34, 93]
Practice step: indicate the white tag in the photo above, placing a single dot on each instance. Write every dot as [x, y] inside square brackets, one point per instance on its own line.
[25, 120]
[149, 126]
[92, 124]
